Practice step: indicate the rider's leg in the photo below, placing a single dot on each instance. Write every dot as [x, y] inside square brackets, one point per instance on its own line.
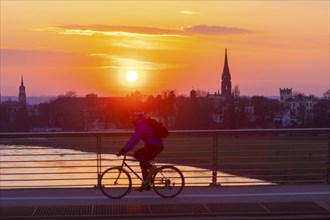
[144, 156]
[140, 156]
[152, 152]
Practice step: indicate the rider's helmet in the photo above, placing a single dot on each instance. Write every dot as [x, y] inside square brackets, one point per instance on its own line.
[135, 117]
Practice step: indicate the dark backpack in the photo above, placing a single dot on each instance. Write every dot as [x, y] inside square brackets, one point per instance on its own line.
[160, 130]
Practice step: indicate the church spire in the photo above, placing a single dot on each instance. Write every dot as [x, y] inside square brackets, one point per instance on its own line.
[21, 94]
[226, 60]
[226, 78]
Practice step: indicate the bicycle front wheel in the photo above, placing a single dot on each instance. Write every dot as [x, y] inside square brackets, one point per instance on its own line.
[115, 182]
[168, 181]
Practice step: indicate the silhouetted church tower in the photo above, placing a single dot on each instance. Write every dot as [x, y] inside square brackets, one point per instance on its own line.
[226, 79]
[22, 95]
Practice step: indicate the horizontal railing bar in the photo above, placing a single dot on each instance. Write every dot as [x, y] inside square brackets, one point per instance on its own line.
[223, 142]
[277, 182]
[275, 150]
[247, 145]
[46, 161]
[251, 151]
[172, 132]
[302, 143]
[73, 179]
[315, 162]
[194, 171]
[14, 174]
[272, 175]
[33, 155]
[198, 184]
[32, 146]
[22, 148]
[235, 147]
[161, 160]
[221, 164]
[195, 164]
[132, 166]
[45, 167]
[267, 169]
[183, 159]
[201, 159]
[259, 157]
[38, 186]
[169, 152]
[199, 177]
[186, 171]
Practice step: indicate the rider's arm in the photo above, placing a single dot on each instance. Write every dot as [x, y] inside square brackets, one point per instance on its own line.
[137, 136]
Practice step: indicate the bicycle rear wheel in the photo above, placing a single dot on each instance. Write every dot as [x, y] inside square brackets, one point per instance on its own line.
[115, 182]
[168, 181]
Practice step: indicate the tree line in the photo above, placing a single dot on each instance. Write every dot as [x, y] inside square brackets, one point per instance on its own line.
[69, 112]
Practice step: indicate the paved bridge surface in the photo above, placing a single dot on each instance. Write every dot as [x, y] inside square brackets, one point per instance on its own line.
[243, 202]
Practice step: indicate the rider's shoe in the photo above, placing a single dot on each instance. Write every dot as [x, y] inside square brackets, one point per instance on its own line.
[144, 186]
[140, 189]
[152, 171]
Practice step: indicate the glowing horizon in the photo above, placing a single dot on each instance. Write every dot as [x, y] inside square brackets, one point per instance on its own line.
[89, 46]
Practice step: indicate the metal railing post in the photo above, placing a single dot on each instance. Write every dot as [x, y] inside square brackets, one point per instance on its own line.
[98, 160]
[215, 161]
[328, 168]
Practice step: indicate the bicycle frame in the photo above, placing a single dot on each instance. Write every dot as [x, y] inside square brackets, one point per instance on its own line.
[124, 164]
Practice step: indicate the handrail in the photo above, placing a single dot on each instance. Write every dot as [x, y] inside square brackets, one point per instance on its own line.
[172, 132]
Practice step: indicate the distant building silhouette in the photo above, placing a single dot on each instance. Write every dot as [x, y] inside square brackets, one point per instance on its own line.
[297, 110]
[225, 83]
[226, 79]
[285, 94]
[15, 114]
[22, 94]
[220, 100]
[193, 94]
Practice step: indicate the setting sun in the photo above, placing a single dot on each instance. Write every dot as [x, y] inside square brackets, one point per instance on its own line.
[131, 76]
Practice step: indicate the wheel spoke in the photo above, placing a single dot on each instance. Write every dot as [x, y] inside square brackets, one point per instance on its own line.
[168, 182]
[115, 183]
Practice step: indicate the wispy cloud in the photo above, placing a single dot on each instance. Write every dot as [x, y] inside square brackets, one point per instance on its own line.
[58, 59]
[107, 30]
[189, 12]
[132, 63]
[46, 59]
[213, 30]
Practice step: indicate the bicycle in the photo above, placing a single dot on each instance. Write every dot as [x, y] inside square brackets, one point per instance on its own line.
[116, 182]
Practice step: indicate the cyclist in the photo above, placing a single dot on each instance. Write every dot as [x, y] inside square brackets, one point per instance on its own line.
[153, 145]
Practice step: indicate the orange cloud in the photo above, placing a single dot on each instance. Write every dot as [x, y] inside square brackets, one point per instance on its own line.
[119, 30]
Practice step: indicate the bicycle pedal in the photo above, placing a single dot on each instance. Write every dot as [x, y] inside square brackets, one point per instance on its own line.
[140, 189]
[143, 187]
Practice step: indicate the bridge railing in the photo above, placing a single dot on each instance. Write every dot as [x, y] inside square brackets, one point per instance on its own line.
[217, 157]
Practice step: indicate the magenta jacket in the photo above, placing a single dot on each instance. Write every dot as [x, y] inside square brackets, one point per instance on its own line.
[144, 132]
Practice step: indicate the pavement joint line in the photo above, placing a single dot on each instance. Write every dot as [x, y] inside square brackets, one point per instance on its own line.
[156, 196]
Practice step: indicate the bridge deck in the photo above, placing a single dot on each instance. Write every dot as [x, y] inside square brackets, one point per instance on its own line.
[247, 201]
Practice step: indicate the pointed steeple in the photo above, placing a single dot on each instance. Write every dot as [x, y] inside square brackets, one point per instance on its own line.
[226, 78]
[226, 72]
[21, 94]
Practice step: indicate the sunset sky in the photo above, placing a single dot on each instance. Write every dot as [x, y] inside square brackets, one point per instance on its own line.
[88, 46]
